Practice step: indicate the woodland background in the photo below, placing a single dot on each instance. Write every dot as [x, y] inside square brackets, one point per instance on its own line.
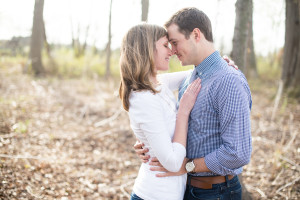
[64, 134]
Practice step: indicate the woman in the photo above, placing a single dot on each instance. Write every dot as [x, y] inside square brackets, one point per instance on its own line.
[154, 117]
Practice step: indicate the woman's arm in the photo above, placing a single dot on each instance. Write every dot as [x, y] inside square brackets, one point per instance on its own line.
[148, 113]
[174, 79]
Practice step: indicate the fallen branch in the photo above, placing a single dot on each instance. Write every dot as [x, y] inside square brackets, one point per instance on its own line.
[288, 184]
[29, 190]
[9, 135]
[293, 133]
[107, 120]
[283, 195]
[21, 157]
[277, 99]
[277, 177]
[290, 161]
[262, 194]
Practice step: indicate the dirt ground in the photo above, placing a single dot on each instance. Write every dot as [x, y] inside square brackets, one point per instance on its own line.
[70, 139]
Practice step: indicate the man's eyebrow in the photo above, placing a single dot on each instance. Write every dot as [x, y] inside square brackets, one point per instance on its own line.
[170, 40]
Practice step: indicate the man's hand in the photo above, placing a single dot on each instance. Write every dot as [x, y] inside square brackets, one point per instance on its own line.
[138, 148]
[230, 62]
[158, 167]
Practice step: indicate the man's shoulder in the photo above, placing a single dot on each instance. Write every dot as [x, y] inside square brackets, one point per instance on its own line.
[230, 76]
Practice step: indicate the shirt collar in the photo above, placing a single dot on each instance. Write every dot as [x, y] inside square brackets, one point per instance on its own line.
[205, 67]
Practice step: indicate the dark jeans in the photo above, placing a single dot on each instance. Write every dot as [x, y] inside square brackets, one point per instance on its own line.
[135, 197]
[231, 190]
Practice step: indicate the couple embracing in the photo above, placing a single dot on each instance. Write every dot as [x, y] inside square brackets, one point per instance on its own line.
[193, 147]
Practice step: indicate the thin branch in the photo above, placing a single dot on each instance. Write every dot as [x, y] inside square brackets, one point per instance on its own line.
[290, 161]
[29, 190]
[288, 184]
[105, 121]
[277, 177]
[277, 99]
[283, 195]
[9, 135]
[21, 157]
[262, 194]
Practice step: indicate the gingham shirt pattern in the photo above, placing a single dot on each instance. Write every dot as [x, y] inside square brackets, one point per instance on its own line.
[219, 124]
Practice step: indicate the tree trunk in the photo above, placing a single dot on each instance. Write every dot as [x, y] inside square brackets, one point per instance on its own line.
[239, 42]
[250, 55]
[291, 57]
[108, 50]
[37, 39]
[145, 9]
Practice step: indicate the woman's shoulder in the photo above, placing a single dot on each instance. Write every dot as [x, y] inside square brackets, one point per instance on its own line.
[143, 102]
[143, 97]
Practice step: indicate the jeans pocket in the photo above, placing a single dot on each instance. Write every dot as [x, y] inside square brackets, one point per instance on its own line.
[236, 194]
[203, 194]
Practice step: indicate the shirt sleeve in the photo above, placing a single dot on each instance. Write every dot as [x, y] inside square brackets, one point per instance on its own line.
[233, 106]
[147, 111]
[173, 80]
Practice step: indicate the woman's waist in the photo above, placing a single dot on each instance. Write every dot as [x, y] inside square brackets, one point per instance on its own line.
[145, 170]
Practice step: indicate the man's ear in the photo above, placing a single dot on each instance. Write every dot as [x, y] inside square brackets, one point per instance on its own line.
[196, 33]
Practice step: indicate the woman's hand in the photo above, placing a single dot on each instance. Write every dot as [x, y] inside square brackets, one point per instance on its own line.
[230, 62]
[158, 167]
[189, 97]
[140, 151]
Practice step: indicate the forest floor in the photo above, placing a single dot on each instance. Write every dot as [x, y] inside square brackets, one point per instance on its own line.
[70, 139]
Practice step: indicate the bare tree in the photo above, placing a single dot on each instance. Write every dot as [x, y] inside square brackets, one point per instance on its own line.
[250, 54]
[78, 47]
[145, 9]
[291, 57]
[108, 46]
[37, 38]
[239, 42]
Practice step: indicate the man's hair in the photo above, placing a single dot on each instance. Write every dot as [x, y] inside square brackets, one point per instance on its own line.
[137, 60]
[187, 19]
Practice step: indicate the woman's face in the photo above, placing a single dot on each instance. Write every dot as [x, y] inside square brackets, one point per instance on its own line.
[162, 54]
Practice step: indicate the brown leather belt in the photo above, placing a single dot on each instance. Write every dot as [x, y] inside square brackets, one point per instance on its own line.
[206, 182]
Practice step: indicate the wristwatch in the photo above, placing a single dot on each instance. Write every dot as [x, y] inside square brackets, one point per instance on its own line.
[190, 166]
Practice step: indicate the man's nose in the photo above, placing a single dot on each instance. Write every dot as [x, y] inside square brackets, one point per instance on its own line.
[174, 52]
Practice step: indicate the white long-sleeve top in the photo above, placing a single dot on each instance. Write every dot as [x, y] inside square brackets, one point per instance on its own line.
[152, 119]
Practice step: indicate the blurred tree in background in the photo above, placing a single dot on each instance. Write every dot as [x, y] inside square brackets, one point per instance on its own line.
[291, 58]
[37, 39]
[108, 46]
[145, 10]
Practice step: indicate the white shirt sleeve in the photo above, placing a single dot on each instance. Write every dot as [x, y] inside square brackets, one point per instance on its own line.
[146, 110]
[173, 80]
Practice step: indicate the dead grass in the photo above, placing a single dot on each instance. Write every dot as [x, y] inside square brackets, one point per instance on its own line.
[70, 139]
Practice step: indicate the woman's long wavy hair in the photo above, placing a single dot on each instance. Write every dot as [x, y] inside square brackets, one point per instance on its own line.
[137, 60]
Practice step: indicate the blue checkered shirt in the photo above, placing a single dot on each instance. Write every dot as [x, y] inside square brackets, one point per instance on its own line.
[219, 124]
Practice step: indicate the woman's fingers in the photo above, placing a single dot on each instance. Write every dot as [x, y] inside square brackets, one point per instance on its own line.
[161, 169]
[194, 85]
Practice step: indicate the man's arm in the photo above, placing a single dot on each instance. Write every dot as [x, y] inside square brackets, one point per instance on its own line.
[232, 104]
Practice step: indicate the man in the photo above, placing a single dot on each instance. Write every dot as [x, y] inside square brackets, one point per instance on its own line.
[219, 134]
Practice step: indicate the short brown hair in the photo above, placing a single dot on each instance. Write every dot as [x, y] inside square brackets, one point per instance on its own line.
[187, 19]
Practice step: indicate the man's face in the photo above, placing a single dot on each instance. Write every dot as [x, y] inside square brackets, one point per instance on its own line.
[181, 46]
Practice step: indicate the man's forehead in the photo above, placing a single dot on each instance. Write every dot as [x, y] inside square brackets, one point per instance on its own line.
[173, 32]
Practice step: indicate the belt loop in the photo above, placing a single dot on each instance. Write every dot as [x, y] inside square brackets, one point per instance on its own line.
[189, 180]
[227, 181]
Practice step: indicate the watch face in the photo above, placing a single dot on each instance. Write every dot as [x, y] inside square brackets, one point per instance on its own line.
[189, 166]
